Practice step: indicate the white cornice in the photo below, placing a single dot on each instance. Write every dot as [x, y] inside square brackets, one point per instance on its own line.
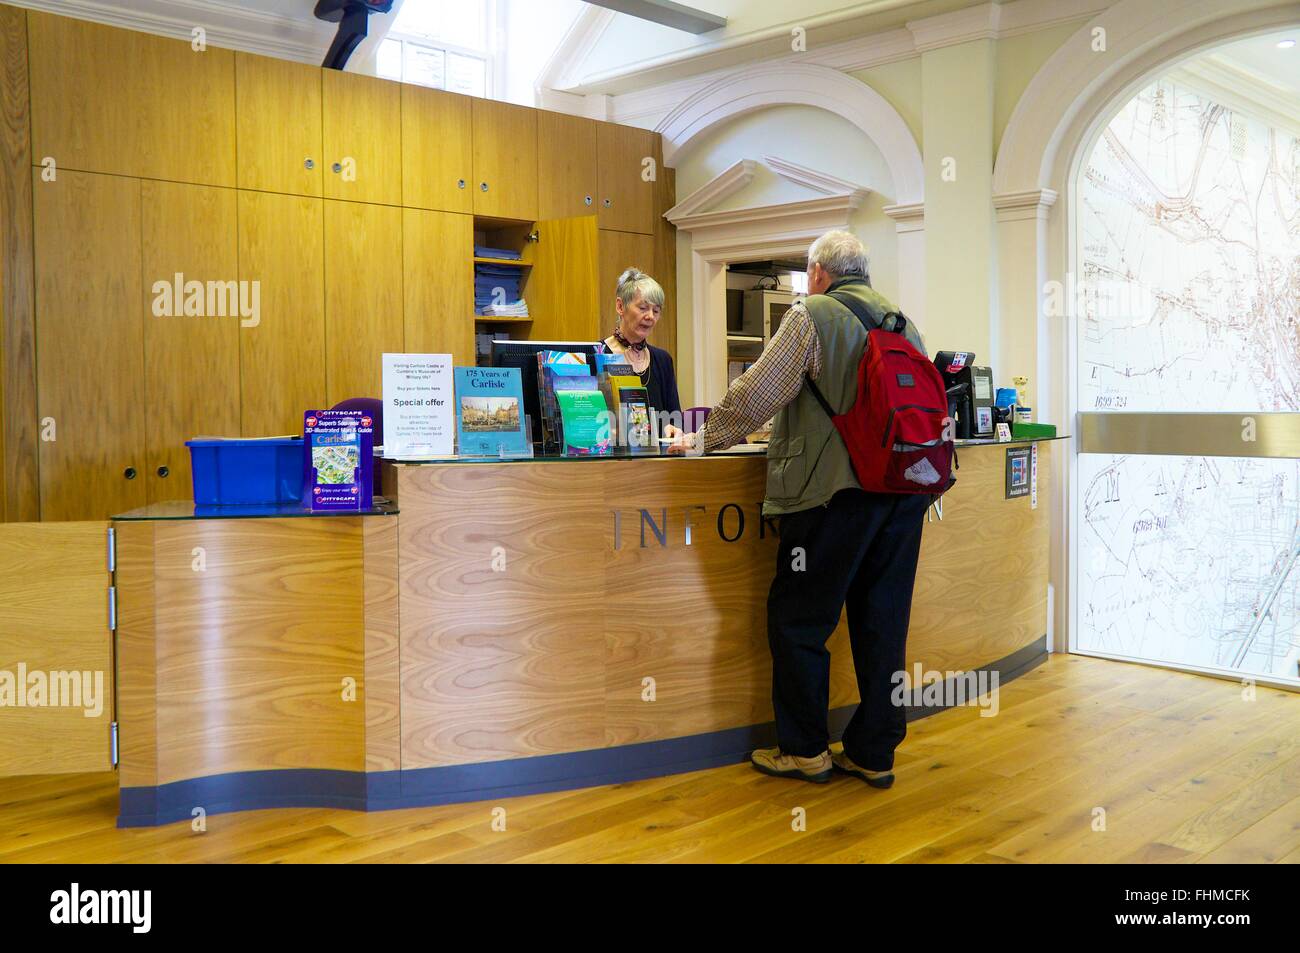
[960, 26]
[1240, 89]
[821, 182]
[716, 234]
[723, 185]
[1025, 204]
[227, 26]
[909, 217]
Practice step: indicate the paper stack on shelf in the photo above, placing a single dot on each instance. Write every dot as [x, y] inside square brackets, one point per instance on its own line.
[497, 291]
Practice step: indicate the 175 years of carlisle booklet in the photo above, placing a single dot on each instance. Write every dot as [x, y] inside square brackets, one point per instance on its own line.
[489, 411]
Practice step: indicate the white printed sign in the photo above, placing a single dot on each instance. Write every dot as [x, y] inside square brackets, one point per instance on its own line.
[419, 411]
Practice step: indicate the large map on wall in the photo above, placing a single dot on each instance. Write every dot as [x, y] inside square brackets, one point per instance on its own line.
[1190, 287]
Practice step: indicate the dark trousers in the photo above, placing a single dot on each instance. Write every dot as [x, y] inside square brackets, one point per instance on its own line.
[859, 549]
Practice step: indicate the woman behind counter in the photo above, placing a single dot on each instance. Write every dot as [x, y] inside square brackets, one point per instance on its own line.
[639, 301]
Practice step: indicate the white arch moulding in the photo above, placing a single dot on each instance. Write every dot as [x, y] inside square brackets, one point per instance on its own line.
[1047, 140]
[782, 84]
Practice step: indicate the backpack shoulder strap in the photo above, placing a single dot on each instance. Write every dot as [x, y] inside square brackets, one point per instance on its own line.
[818, 394]
[900, 319]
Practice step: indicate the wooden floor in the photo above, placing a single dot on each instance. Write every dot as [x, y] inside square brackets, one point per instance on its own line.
[1184, 769]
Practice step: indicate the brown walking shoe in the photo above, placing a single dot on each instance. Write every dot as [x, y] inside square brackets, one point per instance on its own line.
[772, 761]
[877, 779]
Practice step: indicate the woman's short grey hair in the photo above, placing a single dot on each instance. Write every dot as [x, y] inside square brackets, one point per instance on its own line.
[635, 282]
[841, 254]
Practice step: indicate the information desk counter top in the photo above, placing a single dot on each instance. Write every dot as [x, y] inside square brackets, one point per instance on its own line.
[516, 627]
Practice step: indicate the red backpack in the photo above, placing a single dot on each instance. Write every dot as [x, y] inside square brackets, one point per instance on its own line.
[895, 431]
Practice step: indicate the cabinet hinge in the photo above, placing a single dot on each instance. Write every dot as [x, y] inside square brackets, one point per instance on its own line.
[113, 742]
[112, 608]
[112, 550]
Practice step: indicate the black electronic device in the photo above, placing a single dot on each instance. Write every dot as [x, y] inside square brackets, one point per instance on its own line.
[351, 16]
[970, 393]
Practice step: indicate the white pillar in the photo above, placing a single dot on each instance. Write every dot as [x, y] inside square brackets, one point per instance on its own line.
[909, 222]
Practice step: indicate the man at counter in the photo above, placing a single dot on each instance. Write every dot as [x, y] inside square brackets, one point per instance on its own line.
[839, 544]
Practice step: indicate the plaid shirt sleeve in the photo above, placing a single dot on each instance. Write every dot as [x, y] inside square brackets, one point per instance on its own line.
[775, 379]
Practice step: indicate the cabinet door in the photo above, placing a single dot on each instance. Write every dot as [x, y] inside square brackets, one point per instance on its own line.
[566, 165]
[505, 160]
[54, 618]
[626, 194]
[618, 252]
[363, 296]
[191, 349]
[362, 135]
[562, 294]
[437, 150]
[438, 283]
[128, 103]
[89, 345]
[278, 107]
[282, 354]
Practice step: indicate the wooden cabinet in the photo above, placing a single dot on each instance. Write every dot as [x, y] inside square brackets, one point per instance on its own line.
[630, 162]
[89, 345]
[54, 618]
[363, 296]
[566, 165]
[618, 252]
[438, 283]
[362, 134]
[191, 341]
[128, 103]
[437, 150]
[278, 106]
[505, 160]
[562, 292]
[282, 353]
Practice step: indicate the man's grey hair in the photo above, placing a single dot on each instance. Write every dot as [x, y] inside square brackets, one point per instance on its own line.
[841, 254]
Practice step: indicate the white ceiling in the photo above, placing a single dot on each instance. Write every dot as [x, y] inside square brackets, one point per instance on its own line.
[1260, 56]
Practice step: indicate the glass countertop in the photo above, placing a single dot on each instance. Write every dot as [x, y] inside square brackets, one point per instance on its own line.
[188, 510]
[740, 450]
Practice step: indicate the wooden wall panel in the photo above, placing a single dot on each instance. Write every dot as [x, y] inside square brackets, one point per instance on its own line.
[252, 650]
[130, 103]
[505, 159]
[191, 361]
[53, 590]
[362, 125]
[282, 358]
[19, 480]
[278, 107]
[438, 283]
[502, 664]
[626, 195]
[383, 674]
[566, 165]
[618, 252]
[363, 296]
[561, 289]
[89, 326]
[437, 150]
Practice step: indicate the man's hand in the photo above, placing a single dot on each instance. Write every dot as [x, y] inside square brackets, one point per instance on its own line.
[670, 432]
[684, 443]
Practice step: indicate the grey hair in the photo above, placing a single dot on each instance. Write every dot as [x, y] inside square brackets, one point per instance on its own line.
[841, 254]
[635, 282]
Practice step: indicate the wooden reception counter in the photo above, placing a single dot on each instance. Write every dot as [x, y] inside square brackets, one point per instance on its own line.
[516, 627]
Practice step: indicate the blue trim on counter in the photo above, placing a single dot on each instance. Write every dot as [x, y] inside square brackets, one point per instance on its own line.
[424, 787]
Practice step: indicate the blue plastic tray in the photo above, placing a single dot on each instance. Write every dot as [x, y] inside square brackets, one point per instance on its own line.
[233, 472]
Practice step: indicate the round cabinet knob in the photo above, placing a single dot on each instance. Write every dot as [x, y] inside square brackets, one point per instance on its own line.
[609, 203]
[460, 183]
[308, 163]
[129, 473]
[482, 186]
[163, 471]
[337, 167]
[587, 201]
